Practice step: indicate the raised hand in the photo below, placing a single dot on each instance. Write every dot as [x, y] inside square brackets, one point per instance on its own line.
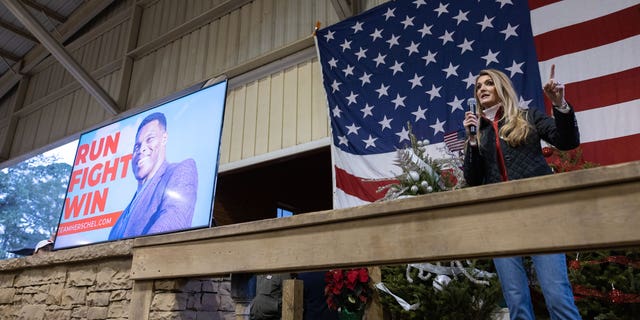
[554, 90]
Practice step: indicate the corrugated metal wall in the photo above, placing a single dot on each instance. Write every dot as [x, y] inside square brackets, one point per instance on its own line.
[173, 49]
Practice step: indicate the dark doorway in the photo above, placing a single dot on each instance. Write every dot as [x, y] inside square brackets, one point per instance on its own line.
[300, 183]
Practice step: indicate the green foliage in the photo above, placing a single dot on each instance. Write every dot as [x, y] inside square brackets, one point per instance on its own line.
[460, 299]
[594, 272]
[420, 173]
[31, 198]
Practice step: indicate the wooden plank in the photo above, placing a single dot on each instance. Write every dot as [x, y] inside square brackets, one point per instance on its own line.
[232, 39]
[244, 33]
[250, 120]
[81, 16]
[319, 108]
[304, 124]
[276, 99]
[292, 299]
[212, 35]
[290, 107]
[155, 41]
[266, 29]
[44, 126]
[200, 53]
[588, 209]
[141, 300]
[262, 125]
[225, 139]
[10, 133]
[237, 124]
[61, 117]
[280, 28]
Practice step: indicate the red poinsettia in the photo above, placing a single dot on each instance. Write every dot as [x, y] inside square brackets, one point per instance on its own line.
[348, 289]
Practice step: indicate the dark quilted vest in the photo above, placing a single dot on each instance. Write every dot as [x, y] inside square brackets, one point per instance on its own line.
[524, 161]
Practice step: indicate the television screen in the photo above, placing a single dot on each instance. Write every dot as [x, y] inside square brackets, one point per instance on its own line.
[150, 173]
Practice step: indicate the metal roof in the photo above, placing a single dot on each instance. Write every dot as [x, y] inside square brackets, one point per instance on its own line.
[16, 41]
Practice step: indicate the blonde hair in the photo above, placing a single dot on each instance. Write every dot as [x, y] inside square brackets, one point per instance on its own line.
[516, 127]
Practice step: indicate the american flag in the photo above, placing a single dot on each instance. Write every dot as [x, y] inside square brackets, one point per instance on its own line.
[414, 62]
[455, 140]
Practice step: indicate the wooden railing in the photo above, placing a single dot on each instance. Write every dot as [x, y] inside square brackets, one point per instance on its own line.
[586, 209]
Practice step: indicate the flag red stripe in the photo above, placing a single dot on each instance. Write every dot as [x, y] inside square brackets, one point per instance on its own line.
[589, 34]
[612, 89]
[612, 151]
[535, 4]
[366, 190]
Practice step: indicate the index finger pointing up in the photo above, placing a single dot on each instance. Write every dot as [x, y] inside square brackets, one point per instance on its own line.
[553, 71]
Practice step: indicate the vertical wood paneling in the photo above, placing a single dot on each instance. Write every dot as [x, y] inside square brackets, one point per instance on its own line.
[78, 112]
[192, 41]
[293, 17]
[108, 45]
[233, 36]
[320, 115]
[26, 133]
[17, 146]
[250, 114]
[237, 124]
[263, 116]
[255, 20]
[55, 81]
[225, 139]
[170, 81]
[265, 32]
[44, 127]
[268, 114]
[275, 116]
[5, 103]
[221, 40]
[92, 53]
[141, 76]
[280, 29]
[201, 53]
[303, 121]
[212, 47]
[61, 117]
[289, 108]
[244, 30]
[3, 133]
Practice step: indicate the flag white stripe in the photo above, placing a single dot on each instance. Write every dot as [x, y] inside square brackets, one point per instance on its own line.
[565, 13]
[383, 163]
[596, 62]
[610, 122]
[344, 200]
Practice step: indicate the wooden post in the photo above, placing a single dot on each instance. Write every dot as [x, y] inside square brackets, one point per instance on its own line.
[141, 299]
[292, 299]
[374, 309]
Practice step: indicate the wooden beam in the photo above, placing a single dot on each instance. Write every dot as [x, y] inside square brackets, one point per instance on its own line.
[292, 299]
[58, 51]
[588, 209]
[141, 300]
[19, 31]
[197, 22]
[44, 9]
[80, 17]
[9, 55]
[127, 62]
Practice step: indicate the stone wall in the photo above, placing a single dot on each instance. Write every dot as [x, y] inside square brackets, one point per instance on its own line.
[93, 283]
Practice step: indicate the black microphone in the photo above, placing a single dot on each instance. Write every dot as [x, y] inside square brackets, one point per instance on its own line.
[472, 107]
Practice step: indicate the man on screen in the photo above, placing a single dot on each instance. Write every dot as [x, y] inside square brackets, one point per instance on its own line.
[165, 198]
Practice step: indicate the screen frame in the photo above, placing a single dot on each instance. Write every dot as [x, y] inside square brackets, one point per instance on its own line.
[162, 104]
